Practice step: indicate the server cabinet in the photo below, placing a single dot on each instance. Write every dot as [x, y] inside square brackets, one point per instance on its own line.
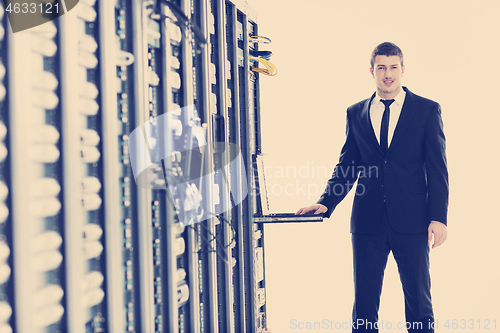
[127, 135]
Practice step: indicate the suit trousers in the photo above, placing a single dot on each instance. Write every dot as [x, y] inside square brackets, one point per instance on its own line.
[411, 252]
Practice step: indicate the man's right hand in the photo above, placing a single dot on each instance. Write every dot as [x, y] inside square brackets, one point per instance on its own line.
[316, 208]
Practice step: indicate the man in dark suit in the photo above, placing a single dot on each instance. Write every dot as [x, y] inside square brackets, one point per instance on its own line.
[395, 149]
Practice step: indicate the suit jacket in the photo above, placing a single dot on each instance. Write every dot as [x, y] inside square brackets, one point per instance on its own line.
[411, 179]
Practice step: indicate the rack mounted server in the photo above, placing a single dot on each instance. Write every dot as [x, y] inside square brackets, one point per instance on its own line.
[89, 242]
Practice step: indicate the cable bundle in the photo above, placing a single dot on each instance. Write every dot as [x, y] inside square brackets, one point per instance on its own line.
[259, 39]
[262, 56]
[269, 69]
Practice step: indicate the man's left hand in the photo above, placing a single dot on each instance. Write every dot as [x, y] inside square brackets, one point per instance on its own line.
[440, 233]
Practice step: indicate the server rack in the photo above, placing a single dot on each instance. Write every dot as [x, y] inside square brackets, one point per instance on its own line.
[88, 244]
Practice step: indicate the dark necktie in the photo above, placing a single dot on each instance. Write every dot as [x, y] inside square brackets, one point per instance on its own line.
[384, 128]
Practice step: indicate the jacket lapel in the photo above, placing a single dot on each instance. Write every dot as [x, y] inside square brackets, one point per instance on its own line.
[405, 119]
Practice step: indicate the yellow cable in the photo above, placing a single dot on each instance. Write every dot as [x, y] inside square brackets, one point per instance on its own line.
[260, 39]
[270, 69]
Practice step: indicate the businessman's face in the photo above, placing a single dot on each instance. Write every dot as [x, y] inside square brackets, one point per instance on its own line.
[387, 72]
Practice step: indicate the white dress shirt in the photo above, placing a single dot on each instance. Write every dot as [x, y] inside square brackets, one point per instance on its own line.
[377, 111]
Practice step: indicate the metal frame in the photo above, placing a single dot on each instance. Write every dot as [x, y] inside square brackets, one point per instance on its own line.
[21, 220]
[70, 135]
[112, 227]
[169, 268]
[6, 289]
[240, 262]
[208, 191]
[192, 255]
[226, 317]
[248, 241]
[142, 196]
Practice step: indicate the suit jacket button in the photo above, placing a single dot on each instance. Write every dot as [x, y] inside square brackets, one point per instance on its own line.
[385, 161]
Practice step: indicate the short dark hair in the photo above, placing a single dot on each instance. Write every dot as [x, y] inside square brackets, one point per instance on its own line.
[387, 49]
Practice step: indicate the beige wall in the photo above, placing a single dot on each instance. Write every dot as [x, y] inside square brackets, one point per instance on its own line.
[322, 49]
